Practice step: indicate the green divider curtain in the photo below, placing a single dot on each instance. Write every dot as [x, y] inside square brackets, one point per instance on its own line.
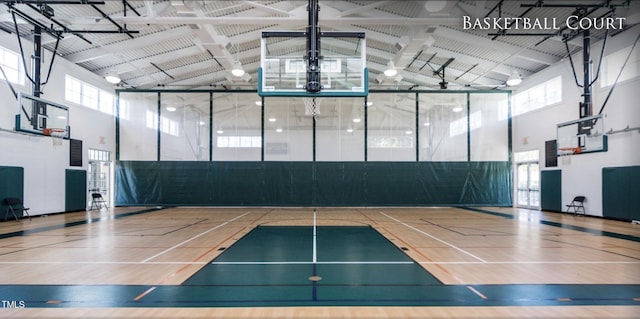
[311, 184]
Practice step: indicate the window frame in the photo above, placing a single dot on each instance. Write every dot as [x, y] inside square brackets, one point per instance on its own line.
[89, 95]
[552, 95]
[18, 69]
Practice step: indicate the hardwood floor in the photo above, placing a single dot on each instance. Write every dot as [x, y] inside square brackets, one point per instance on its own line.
[481, 246]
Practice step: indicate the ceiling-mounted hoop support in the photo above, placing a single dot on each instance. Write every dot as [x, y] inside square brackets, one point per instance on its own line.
[313, 49]
[581, 11]
[325, 74]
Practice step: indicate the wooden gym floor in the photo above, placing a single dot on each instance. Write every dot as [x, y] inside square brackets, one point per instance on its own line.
[482, 262]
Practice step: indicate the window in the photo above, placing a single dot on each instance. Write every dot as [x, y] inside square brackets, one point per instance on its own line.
[73, 90]
[612, 66]
[168, 126]
[459, 126]
[88, 95]
[239, 141]
[98, 155]
[539, 96]
[12, 66]
[390, 142]
[528, 156]
[124, 109]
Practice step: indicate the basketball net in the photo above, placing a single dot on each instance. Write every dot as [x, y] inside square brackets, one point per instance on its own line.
[57, 135]
[311, 106]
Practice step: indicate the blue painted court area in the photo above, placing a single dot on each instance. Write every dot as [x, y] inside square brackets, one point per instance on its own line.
[323, 266]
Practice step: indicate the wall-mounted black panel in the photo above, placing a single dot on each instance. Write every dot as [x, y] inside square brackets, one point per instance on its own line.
[551, 153]
[75, 152]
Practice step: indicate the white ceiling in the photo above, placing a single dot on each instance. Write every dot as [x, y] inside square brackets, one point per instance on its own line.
[193, 43]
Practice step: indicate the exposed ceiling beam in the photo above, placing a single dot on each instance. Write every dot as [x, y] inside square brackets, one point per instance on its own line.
[137, 43]
[267, 9]
[287, 20]
[362, 9]
[489, 44]
[136, 65]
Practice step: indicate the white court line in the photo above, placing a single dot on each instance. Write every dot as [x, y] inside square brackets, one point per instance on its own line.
[315, 245]
[366, 262]
[192, 238]
[438, 239]
[527, 262]
[477, 292]
[102, 263]
[311, 262]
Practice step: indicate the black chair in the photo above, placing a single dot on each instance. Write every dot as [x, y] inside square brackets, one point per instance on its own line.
[97, 201]
[13, 204]
[577, 204]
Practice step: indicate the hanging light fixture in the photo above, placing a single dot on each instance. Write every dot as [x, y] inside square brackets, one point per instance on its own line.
[514, 79]
[237, 69]
[112, 78]
[391, 69]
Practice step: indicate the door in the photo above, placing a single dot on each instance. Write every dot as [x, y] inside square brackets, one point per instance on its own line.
[98, 175]
[528, 185]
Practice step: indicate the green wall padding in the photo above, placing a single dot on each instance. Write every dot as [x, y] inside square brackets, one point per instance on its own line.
[620, 189]
[551, 190]
[313, 184]
[11, 185]
[75, 190]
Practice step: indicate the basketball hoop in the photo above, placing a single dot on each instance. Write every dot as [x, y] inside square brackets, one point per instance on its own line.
[311, 106]
[564, 151]
[57, 134]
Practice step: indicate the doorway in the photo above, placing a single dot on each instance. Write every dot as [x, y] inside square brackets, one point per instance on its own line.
[527, 179]
[98, 175]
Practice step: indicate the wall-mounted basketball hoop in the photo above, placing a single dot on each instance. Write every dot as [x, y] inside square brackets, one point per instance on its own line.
[57, 135]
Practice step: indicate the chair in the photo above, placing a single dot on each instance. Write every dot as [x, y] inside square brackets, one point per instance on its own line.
[577, 204]
[97, 201]
[13, 204]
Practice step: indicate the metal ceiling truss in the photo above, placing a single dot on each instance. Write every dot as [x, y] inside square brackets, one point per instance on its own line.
[47, 12]
[55, 28]
[581, 11]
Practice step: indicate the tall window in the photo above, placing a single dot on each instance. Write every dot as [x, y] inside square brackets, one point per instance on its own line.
[539, 96]
[12, 65]
[79, 92]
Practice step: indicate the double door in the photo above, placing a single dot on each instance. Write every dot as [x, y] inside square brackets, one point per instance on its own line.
[528, 185]
[98, 180]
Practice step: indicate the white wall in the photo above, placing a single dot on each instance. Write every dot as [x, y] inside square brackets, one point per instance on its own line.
[44, 165]
[582, 174]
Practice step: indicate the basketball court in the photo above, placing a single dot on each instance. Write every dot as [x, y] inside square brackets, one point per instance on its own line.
[247, 258]
[233, 159]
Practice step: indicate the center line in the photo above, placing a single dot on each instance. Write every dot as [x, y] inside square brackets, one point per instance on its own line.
[192, 238]
[438, 239]
[315, 248]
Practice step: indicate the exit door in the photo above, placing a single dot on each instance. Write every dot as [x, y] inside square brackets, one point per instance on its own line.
[98, 175]
[528, 185]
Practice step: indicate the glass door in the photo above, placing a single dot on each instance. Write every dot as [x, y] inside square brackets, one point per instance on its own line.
[98, 175]
[528, 185]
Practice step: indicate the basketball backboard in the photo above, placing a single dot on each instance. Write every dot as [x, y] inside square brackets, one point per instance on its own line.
[585, 135]
[34, 115]
[283, 64]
